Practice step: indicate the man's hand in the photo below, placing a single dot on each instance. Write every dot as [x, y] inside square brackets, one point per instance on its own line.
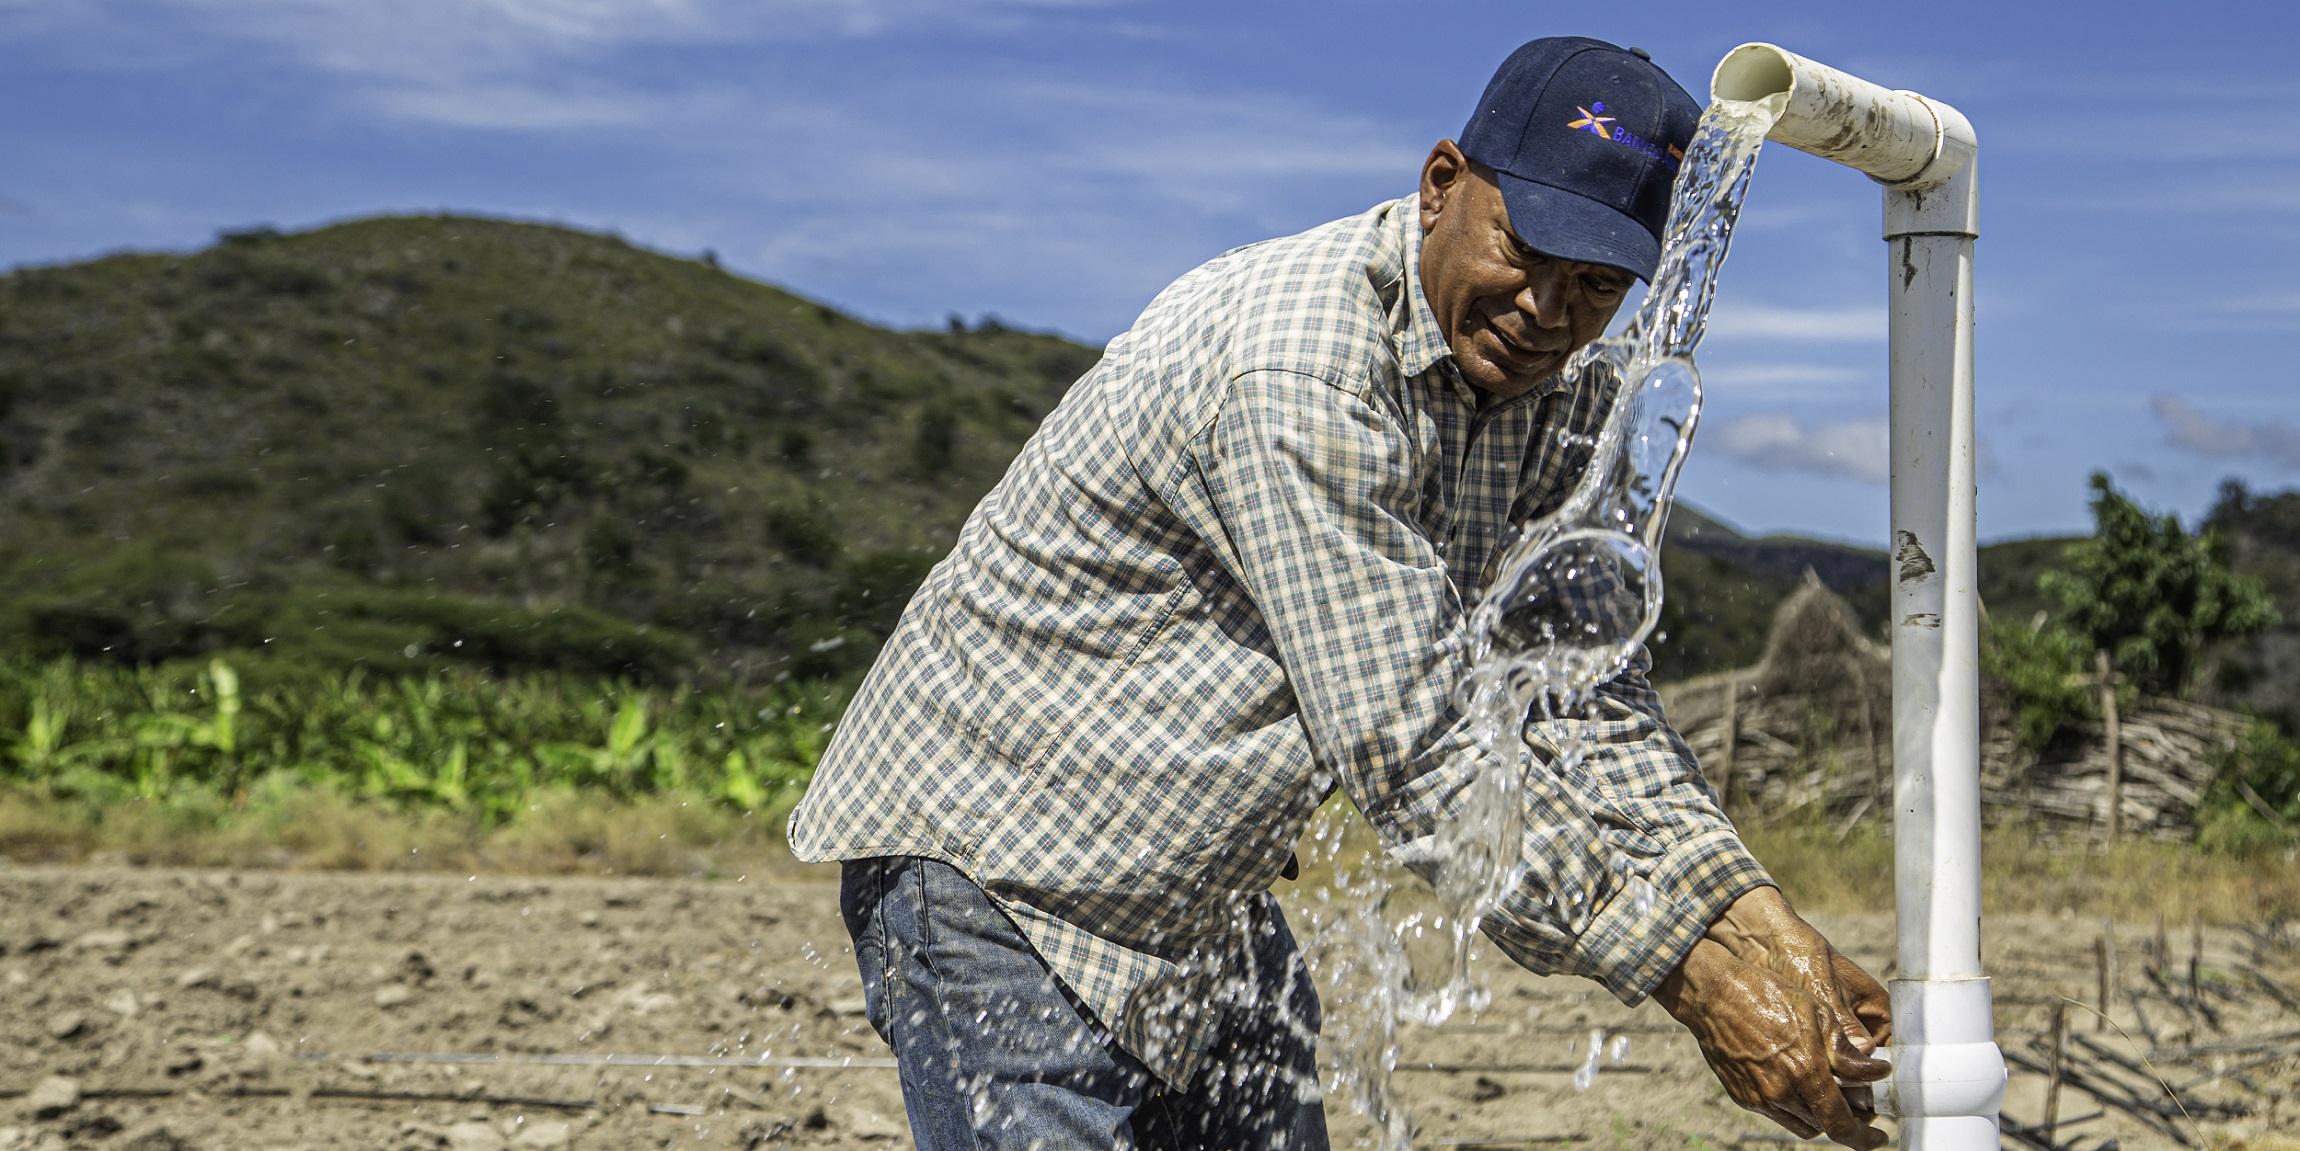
[1761, 928]
[1782, 1017]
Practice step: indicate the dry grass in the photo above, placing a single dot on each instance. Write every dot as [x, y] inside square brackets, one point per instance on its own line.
[564, 832]
[561, 833]
[2024, 873]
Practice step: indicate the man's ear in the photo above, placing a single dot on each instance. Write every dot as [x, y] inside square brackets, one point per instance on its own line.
[1442, 173]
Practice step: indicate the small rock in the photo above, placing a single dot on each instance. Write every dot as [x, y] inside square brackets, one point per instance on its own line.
[261, 1046]
[183, 1062]
[473, 1137]
[588, 919]
[239, 947]
[876, 1125]
[547, 1134]
[53, 1096]
[198, 977]
[851, 1005]
[93, 1127]
[67, 1025]
[153, 1138]
[755, 1134]
[14, 1139]
[106, 940]
[121, 1003]
[392, 995]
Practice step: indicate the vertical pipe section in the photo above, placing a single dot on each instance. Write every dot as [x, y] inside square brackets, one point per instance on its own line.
[1949, 1075]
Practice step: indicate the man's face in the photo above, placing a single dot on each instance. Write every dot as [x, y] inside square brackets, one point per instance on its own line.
[1511, 314]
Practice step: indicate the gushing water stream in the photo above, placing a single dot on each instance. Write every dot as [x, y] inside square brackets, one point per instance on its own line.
[1576, 594]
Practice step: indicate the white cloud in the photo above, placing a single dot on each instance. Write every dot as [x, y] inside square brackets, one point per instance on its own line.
[1796, 325]
[501, 64]
[1776, 442]
[1786, 380]
[2185, 427]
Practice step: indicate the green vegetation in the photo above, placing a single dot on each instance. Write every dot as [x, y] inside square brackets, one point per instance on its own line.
[2150, 594]
[2256, 672]
[463, 741]
[2140, 588]
[2041, 669]
[2159, 600]
[2254, 803]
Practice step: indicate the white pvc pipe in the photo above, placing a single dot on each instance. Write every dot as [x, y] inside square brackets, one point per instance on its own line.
[1948, 1074]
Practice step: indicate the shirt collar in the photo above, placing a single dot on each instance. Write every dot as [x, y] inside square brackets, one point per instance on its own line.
[1413, 327]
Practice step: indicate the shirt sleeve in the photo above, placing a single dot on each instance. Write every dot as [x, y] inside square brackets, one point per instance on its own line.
[1317, 494]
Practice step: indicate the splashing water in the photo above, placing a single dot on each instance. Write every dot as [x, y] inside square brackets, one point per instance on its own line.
[1586, 1074]
[1575, 596]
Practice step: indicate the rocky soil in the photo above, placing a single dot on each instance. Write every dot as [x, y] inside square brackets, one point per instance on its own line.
[163, 1011]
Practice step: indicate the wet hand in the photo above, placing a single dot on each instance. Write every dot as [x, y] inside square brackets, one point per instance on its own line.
[1776, 1050]
[1760, 928]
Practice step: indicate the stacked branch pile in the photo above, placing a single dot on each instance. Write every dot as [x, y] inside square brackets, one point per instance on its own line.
[1807, 731]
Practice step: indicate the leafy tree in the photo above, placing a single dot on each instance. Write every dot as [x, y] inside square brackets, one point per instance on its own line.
[2254, 800]
[2041, 668]
[2150, 593]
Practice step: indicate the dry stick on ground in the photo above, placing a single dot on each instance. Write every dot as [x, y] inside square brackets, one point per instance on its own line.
[2109, 1092]
[2052, 1077]
[2108, 974]
[2236, 1072]
[2284, 996]
[2195, 954]
[2193, 1007]
[2143, 1110]
[2140, 1015]
[2145, 1070]
[2037, 1137]
[2288, 1041]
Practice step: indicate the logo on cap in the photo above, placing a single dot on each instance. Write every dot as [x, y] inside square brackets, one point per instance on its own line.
[1590, 121]
[1594, 123]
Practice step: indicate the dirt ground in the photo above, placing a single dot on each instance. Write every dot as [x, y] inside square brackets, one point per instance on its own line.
[211, 1010]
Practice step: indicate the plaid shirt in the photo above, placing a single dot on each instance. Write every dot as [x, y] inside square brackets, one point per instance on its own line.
[1228, 571]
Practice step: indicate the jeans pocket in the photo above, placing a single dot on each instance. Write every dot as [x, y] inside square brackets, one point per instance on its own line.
[862, 903]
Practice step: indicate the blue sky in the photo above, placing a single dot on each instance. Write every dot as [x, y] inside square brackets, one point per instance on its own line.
[1057, 161]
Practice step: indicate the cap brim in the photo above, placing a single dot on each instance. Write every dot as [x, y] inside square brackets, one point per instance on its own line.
[1569, 226]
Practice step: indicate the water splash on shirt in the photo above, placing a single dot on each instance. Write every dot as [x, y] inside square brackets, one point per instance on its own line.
[1574, 595]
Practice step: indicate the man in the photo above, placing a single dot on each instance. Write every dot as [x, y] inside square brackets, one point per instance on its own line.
[1229, 573]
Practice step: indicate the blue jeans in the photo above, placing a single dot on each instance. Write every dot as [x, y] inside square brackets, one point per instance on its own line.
[995, 1054]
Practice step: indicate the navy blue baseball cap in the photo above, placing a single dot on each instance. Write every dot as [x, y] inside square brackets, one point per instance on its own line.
[1586, 138]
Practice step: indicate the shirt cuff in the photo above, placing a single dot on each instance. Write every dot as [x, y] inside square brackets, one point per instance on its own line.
[1631, 948]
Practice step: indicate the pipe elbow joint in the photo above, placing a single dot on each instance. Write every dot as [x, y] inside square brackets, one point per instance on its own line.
[1919, 148]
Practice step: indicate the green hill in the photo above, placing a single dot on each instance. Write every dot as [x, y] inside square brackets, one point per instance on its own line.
[1723, 587]
[409, 442]
[406, 443]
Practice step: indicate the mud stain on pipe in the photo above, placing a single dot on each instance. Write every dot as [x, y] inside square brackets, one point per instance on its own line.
[1915, 564]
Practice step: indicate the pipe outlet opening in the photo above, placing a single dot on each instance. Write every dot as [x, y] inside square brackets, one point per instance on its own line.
[1752, 72]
